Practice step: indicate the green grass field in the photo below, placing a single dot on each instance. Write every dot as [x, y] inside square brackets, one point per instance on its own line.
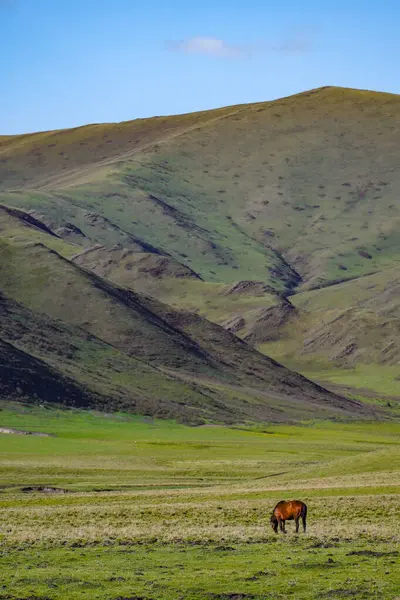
[216, 213]
[156, 510]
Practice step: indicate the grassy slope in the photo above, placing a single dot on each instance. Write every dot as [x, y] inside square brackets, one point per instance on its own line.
[135, 352]
[19, 227]
[298, 176]
[352, 326]
[345, 334]
[106, 378]
[186, 511]
[176, 285]
[40, 158]
[139, 270]
[24, 376]
[238, 194]
[341, 326]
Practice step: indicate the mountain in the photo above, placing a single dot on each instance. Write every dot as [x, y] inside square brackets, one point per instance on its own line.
[298, 192]
[70, 337]
[273, 221]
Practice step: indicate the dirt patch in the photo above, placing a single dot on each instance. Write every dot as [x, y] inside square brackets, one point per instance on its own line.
[323, 545]
[342, 593]
[329, 564]
[260, 574]
[372, 553]
[131, 598]
[271, 475]
[44, 489]
[20, 432]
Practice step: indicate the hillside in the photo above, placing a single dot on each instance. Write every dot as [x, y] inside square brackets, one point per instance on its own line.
[117, 349]
[24, 377]
[347, 324]
[298, 192]
[278, 221]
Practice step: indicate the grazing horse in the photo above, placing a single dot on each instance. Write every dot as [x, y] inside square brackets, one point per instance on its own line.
[288, 511]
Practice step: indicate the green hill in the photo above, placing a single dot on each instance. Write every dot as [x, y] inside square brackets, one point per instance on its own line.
[118, 349]
[297, 192]
[251, 216]
[356, 322]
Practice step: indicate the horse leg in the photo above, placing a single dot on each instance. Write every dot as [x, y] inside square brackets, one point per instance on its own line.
[304, 522]
[282, 523]
[297, 519]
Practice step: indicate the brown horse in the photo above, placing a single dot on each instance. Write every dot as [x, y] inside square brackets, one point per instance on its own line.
[288, 511]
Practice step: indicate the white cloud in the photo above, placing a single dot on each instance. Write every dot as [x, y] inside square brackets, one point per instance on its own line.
[219, 48]
[206, 45]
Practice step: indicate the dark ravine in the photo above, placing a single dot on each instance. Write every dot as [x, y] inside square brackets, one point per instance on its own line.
[294, 280]
[27, 219]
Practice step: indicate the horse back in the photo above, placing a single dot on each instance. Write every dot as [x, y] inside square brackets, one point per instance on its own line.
[292, 509]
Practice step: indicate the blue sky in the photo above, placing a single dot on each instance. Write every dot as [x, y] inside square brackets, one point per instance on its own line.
[65, 63]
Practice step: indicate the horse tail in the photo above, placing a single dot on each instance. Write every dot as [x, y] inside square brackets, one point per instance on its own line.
[304, 511]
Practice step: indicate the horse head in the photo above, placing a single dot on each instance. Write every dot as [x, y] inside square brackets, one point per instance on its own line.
[274, 523]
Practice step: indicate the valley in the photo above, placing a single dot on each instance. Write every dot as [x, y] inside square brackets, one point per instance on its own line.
[199, 318]
[121, 506]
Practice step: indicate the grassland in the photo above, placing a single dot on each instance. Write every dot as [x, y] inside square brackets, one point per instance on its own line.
[159, 510]
[279, 221]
